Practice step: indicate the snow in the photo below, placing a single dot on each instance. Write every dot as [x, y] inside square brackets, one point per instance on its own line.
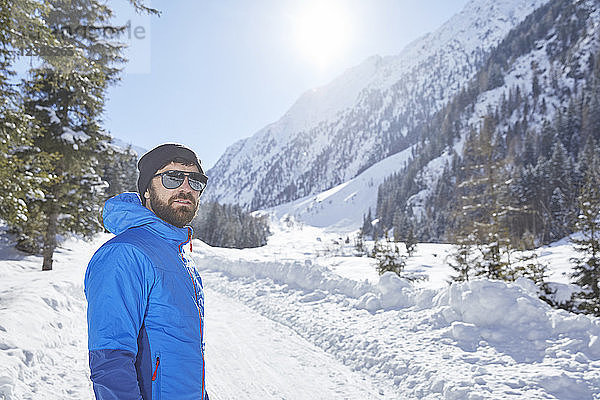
[43, 333]
[72, 136]
[51, 113]
[284, 364]
[343, 207]
[424, 342]
[305, 318]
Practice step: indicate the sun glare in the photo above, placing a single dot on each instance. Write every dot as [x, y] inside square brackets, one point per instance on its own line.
[322, 31]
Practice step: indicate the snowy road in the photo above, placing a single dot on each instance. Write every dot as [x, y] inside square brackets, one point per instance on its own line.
[252, 357]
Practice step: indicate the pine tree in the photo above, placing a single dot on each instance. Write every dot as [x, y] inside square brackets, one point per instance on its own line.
[483, 206]
[359, 244]
[20, 30]
[587, 266]
[559, 206]
[367, 226]
[586, 158]
[546, 140]
[462, 233]
[528, 265]
[591, 113]
[60, 35]
[388, 256]
[561, 187]
[410, 241]
[64, 103]
[524, 196]
[119, 171]
[230, 226]
[464, 258]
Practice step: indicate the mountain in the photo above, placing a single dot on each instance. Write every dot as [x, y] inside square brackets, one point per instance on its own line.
[534, 110]
[122, 145]
[334, 132]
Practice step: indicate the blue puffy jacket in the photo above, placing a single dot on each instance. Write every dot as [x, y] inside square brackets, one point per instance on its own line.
[145, 309]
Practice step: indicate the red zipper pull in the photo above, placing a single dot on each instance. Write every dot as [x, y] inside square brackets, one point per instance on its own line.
[156, 370]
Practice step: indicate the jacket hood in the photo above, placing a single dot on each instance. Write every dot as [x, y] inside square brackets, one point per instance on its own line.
[126, 211]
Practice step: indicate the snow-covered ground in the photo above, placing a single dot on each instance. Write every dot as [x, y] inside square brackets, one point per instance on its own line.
[303, 318]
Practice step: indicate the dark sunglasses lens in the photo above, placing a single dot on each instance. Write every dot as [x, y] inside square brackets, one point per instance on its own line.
[196, 182]
[172, 180]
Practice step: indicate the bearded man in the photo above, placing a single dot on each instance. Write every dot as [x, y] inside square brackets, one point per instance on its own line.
[145, 298]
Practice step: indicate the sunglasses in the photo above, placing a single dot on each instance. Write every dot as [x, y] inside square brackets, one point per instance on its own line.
[174, 179]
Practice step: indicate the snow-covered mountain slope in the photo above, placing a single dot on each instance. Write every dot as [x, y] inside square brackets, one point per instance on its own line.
[334, 132]
[122, 145]
[537, 82]
[343, 207]
[303, 318]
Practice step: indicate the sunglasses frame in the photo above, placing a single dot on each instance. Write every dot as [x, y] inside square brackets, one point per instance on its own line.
[203, 179]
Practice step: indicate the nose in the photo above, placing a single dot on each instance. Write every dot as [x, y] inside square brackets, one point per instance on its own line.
[186, 185]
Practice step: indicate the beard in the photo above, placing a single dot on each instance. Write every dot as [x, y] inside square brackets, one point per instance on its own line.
[177, 215]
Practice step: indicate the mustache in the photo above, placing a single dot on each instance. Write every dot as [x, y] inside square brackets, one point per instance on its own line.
[182, 196]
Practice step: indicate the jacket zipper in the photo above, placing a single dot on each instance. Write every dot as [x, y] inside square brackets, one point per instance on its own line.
[196, 302]
[156, 368]
[156, 378]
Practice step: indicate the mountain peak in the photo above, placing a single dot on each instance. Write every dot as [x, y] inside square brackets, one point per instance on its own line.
[335, 131]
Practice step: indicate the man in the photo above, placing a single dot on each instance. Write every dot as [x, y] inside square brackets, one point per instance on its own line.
[145, 298]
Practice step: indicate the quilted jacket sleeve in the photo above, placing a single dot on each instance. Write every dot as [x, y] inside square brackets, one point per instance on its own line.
[117, 284]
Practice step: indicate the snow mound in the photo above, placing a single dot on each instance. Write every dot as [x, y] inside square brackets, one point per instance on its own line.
[511, 318]
[395, 292]
[392, 292]
[299, 275]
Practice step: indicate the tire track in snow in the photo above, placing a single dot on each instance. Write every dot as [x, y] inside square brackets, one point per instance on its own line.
[252, 357]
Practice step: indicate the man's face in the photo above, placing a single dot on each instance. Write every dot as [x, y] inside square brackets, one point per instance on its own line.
[176, 206]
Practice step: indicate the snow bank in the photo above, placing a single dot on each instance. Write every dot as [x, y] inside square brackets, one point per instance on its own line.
[300, 275]
[482, 339]
[510, 317]
[392, 292]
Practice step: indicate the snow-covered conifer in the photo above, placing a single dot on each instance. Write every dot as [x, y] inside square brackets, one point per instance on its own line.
[64, 99]
[587, 266]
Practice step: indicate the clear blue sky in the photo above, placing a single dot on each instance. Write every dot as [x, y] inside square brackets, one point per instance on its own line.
[208, 73]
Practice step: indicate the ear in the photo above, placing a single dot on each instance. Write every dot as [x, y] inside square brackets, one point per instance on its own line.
[146, 201]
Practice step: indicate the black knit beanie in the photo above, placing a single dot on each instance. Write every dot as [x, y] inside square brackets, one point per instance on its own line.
[156, 158]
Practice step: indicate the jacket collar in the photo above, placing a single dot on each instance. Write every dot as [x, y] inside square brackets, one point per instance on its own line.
[125, 211]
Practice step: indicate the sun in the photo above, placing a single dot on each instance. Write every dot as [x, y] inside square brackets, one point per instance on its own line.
[322, 31]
